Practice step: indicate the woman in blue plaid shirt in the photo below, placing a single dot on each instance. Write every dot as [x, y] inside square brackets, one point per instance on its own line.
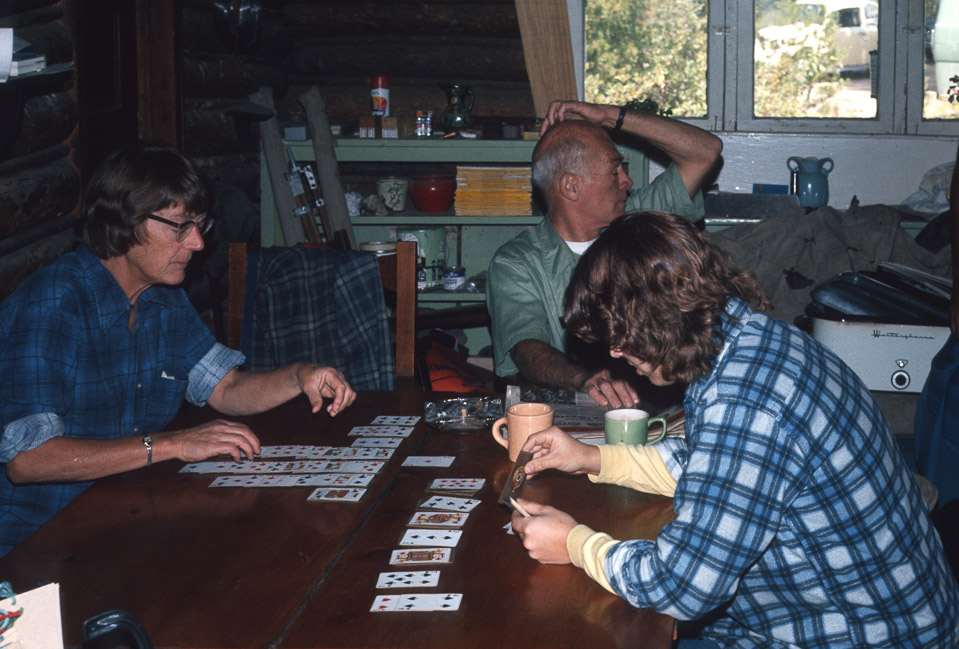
[797, 522]
[100, 350]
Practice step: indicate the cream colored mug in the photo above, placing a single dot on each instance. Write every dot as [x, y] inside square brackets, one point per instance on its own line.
[522, 420]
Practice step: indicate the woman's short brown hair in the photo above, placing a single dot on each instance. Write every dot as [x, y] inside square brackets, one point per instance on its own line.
[653, 287]
[133, 182]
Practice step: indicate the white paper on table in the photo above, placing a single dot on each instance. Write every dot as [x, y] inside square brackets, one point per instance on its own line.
[6, 53]
[39, 627]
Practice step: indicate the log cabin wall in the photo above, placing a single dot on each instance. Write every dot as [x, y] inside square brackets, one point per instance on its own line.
[337, 46]
[293, 45]
[39, 182]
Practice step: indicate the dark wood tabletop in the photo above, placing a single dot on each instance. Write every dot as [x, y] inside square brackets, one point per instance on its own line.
[234, 568]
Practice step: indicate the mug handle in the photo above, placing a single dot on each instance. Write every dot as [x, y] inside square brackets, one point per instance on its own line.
[497, 435]
[662, 433]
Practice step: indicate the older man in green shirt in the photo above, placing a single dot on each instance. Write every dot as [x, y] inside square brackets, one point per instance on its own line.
[579, 173]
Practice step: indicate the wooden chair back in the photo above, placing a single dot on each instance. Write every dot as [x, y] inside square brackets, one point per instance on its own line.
[398, 276]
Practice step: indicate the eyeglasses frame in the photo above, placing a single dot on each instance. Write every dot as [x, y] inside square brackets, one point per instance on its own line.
[184, 229]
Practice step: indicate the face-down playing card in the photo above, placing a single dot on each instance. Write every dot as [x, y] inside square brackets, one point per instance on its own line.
[513, 488]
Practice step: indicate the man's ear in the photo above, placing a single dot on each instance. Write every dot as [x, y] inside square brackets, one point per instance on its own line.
[569, 186]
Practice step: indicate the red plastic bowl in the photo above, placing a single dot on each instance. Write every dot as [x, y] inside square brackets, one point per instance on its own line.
[432, 193]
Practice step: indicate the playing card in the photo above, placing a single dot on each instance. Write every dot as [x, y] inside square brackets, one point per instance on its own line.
[416, 602]
[376, 442]
[450, 503]
[516, 481]
[420, 556]
[438, 519]
[417, 579]
[457, 484]
[443, 538]
[345, 494]
[385, 603]
[428, 460]
[395, 420]
[381, 431]
[429, 602]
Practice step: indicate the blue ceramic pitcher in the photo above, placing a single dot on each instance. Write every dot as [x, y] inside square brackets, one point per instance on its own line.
[813, 185]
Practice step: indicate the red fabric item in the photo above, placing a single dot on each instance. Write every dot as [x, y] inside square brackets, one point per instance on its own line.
[448, 371]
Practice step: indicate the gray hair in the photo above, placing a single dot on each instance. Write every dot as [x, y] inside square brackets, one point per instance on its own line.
[563, 149]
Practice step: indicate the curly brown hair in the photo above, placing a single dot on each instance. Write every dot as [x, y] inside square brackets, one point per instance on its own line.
[653, 287]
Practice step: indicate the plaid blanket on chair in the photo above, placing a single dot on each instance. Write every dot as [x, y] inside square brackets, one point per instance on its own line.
[323, 306]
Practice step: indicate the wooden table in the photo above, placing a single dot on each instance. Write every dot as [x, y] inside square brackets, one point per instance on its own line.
[234, 568]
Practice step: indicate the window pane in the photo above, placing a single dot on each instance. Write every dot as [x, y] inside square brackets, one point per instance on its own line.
[647, 50]
[812, 58]
[941, 58]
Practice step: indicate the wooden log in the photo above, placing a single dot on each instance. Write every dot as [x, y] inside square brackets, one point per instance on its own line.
[12, 7]
[389, 19]
[14, 268]
[49, 38]
[223, 77]
[32, 196]
[28, 237]
[467, 58]
[34, 159]
[210, 132]
[41, 13]
[47, 120]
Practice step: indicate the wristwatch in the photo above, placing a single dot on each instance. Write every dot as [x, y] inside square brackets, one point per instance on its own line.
[148, 442]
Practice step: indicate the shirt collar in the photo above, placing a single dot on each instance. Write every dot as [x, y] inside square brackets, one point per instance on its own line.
[559, 259]
[112, 304]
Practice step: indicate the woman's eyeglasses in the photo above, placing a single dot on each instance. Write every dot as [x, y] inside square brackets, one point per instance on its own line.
[184, 229]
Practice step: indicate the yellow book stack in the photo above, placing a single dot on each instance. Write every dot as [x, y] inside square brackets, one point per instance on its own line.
[493, 191]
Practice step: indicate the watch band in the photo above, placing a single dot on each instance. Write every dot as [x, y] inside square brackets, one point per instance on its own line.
[148, 442]
[619, 120]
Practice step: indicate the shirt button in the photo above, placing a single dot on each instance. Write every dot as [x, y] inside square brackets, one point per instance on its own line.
[136, 429]
[139, 385]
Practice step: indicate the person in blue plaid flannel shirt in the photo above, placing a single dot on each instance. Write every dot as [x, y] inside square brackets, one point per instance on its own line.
[100, 350]
[797, 522]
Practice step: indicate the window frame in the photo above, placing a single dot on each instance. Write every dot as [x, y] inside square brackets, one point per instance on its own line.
[730, 69]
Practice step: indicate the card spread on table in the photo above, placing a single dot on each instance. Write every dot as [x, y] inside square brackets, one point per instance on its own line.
[288, 480]
[381, 431]
[444, 538]
[457, 484]
[429, 460]
[438, 519]
[416, 602]
[268, 480]
[420, 556]
[376, 442]
[291, 450]
[416, 579]
[343, 494]
[359, 452]
[450, 503]
[395, 420]
[284, 466]
[517, 480]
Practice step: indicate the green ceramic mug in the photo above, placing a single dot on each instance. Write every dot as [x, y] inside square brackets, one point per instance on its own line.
[631, 426]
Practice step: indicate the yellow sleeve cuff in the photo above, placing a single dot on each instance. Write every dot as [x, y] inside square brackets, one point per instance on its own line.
[587, 550]
[638, 467]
